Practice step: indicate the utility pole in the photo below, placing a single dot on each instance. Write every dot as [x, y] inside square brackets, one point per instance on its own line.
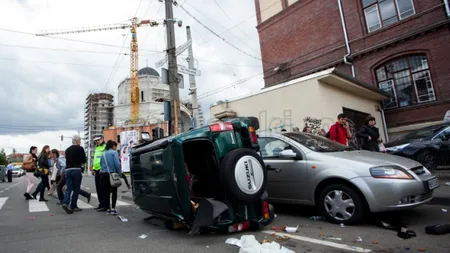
[173, 68]
[192, 86]
[89, 139]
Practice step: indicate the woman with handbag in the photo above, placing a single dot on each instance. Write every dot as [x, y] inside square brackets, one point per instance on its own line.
[30, 164]
[110, 178]
[42, 171]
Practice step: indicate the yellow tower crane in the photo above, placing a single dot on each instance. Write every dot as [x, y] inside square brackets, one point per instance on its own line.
[134, 65]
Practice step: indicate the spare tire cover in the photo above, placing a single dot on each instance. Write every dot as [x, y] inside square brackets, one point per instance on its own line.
[244, 174]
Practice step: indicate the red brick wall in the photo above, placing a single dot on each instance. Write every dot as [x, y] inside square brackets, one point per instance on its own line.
[310, 32]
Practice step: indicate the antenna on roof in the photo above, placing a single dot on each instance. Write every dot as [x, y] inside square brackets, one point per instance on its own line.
[146, 61]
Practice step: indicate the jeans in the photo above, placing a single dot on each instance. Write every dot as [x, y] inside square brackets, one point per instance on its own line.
[73, 183]
[98, 188]
[59, 189]
[107, 191]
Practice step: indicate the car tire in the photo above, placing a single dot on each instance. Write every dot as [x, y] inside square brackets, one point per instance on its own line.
[332, 193]
[243, 174]
[427, 159]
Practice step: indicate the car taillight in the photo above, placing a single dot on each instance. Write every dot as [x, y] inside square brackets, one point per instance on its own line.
[253, 135]
[266, 210]
[221, 126]
[239, 227]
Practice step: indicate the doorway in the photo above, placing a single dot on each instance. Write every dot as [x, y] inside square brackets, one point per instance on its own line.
[356, 120]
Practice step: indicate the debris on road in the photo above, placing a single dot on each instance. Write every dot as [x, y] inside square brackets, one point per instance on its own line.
[439, 229]
[444, 210]
[122, 218]
[342, 225]
[335, 238]
[279, 229]
[359, 239]
[421, 249]
[375, 242]
[404, 233]
[249, 244]
[291, 229]
[143, 236]
[283, 238]
[31, 218]
[321, 234]
[317, 218]
[50, 214]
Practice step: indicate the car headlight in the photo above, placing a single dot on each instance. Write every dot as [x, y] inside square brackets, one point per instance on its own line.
[392, 172]
[397, 148]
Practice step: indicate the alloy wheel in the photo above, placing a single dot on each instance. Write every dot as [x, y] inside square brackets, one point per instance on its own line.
[339, 205]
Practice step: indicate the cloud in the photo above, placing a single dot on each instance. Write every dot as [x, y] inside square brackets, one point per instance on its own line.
[42, 92]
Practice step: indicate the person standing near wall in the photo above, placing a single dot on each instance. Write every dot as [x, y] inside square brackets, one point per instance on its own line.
[340, 131]
[101, 145]
[369, 135]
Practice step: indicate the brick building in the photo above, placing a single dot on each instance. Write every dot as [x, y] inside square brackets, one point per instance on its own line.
[399, 46]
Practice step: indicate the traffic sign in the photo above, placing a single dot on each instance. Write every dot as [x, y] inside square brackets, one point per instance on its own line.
[178, 51]
[161, 62]
[185, 70]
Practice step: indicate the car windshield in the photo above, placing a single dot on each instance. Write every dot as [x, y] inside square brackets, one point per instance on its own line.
[317, 143]
[423, 133]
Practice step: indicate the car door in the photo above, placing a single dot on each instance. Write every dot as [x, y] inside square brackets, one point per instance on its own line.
[286, 176]
[444, 150]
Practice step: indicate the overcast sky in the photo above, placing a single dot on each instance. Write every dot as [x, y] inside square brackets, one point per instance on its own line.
[43, 91]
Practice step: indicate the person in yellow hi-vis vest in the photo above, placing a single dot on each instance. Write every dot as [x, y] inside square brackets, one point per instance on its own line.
[96, 168]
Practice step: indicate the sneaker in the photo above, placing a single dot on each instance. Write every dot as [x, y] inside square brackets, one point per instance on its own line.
[67, 209]
[109, 211]
[43, 200]
[77, 209]
[114, 212]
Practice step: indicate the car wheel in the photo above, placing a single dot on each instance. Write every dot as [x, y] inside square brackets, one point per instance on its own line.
[244, 174]
[427, 159]
[341, 204]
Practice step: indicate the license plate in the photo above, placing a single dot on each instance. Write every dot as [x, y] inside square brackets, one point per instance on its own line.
[433, 183]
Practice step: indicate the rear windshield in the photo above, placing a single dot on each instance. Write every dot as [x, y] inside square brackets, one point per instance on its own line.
[317, 143]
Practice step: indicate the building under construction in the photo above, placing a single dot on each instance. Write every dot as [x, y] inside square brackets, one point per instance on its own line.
[98, 117]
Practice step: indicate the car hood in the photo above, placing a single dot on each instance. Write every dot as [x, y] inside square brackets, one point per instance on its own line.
[374, 158]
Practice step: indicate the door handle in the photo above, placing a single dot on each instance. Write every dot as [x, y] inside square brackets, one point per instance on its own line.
[277, 170]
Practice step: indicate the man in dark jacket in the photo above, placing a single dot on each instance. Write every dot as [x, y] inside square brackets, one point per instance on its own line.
[369, 135]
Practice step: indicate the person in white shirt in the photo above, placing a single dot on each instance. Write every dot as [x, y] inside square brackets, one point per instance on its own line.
[10, 168]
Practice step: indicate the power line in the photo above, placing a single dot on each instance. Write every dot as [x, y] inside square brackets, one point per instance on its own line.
[222, 38]
[59, 63]
[241, 81]
[59, 49]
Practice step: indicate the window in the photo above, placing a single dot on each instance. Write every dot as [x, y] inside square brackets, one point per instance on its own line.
[408, 80]
[271, 147]
[382, 13]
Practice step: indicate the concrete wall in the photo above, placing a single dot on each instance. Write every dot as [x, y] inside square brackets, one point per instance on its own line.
[149, 86]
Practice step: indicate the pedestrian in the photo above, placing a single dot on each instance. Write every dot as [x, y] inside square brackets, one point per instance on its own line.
[322, 132]
[295, 129]
[10, 169]
[54, 173]
[109, 164]
[340, 131]
[97, 167]
[60, 163]
[369, 135]
[75, 158]
[42, 171]
[307, 129]
[124, 177]
[30, 164]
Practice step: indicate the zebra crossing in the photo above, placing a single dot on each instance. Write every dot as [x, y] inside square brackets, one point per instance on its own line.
[35, 206]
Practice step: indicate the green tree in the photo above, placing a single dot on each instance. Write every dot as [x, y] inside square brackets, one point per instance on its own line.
[3, 160]
[14, 151]
[3, 151]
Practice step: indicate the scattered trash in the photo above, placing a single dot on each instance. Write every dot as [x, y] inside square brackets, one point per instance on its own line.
[375, 242]
[207, 246]
[421, 249]
[122, 218]
[404, 233]
[283, 238]
[275, 215]
[143, 236]
[291, 229]
[407, 248]
[444, 210]
[321, 234]
[335, 238]
[273, 234]
[439, 229]
[265, 241]
[317, 218]
[279, 229]
[359, 239]
[342, 225]
[386, 225]
[50, 214]
[249, 244]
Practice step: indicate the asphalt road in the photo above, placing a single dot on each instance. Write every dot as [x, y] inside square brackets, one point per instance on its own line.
[34, 227]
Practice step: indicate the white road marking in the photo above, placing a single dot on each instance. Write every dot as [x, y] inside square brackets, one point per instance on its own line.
[322, 242]
[37, 206]
[87, 188]
[2, 202]
[119, 203]
[83, 205]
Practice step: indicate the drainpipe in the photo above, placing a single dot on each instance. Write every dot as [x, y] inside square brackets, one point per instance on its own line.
[447, 8]
[347, 44]
[383, 119]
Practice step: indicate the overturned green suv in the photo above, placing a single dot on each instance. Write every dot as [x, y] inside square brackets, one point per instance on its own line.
[210, 178]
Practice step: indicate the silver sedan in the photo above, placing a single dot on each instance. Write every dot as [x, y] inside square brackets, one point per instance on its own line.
[343, 183]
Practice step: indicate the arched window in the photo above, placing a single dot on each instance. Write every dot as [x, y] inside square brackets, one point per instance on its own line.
[407, 79]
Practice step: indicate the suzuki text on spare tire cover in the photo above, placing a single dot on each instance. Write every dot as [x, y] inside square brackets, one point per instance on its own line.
[208, 179]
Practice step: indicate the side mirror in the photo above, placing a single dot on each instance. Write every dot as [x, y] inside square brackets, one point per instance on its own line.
[288, 153]
[145, 137]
